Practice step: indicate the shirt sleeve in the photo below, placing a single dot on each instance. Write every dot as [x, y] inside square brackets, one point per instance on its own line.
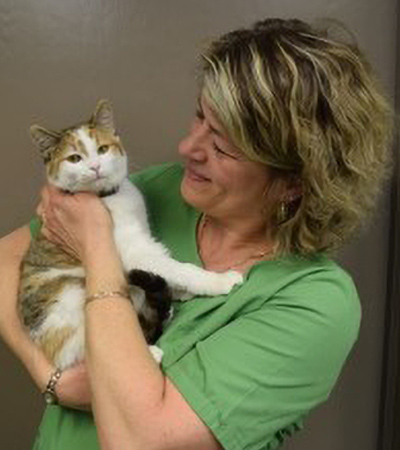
[254, 380]
[34, 225]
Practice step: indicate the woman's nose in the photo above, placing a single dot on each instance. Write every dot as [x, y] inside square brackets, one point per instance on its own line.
[194, 144]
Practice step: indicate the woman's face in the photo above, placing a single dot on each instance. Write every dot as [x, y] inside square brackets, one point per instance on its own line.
[218, 179]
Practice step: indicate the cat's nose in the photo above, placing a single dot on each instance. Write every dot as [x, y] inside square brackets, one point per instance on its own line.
[95, 167]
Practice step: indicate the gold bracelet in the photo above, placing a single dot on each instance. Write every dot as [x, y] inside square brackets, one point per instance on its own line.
[105, 294]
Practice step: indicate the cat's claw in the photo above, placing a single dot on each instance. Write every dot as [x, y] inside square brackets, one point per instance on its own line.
[218, 284]
[156, 352]
[182, 295]
[228, 280]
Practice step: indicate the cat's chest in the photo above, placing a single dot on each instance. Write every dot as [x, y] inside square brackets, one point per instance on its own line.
[126, 206]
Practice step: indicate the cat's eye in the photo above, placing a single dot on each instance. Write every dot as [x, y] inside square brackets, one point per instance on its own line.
[103, 149]
[74, 158]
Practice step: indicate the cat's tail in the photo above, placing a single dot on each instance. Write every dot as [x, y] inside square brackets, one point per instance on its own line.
[158, 300]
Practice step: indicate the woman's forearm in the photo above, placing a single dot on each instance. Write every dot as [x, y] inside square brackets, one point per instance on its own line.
[14, 334]
[127, 383]
[33, 359]
[73, 387]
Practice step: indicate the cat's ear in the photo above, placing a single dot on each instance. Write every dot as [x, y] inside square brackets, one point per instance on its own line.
[44, 140]
[103, 116]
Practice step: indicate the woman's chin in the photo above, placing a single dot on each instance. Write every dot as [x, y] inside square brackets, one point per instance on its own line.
[194, 193]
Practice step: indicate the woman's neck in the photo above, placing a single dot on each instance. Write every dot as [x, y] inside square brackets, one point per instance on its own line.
[236, 245]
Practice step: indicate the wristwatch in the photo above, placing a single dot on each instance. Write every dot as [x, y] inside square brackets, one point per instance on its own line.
[49, 394]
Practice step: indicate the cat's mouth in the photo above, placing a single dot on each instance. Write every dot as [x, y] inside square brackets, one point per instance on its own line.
[94, 184]
[95, 179]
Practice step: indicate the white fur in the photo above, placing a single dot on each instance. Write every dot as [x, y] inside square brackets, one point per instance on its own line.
[66, 312]
[79, 176]
[137, 248]
[144, 252]
[131, 227]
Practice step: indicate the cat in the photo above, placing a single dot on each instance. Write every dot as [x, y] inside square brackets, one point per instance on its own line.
[90, 157]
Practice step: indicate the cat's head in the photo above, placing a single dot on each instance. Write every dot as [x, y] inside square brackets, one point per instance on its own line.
[87, 157]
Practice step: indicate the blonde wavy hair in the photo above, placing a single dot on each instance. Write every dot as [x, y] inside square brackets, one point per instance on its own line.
[310, 108]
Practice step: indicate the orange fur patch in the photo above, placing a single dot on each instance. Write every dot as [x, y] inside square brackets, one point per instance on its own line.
[53, 341]
[70, 140]
[105, 137]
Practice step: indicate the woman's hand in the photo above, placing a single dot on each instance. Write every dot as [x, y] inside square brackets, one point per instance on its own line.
[76, 222]
[73, 388]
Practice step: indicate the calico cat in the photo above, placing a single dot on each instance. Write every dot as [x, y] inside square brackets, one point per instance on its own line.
[90, 157]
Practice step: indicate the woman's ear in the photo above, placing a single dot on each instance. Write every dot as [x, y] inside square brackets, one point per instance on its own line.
[293, 189]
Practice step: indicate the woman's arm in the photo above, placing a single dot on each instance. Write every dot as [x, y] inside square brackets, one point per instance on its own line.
[12, 250]
[73, 387]
[135, 405]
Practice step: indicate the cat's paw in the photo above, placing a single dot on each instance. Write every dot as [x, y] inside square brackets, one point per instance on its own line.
[228, 280]
[182, 294]
[209, 284]
[222, 283]
[156, 352]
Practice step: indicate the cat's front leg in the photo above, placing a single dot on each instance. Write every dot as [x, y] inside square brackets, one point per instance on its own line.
[131, 228]
[139, 250]
[186, 279]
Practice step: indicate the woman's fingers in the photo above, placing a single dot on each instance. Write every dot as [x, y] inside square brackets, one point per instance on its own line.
[55, 195]
[70, 221]
[39, 209]
[43, 207]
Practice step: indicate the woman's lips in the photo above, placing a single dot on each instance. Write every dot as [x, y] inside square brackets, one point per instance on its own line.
[195, 176]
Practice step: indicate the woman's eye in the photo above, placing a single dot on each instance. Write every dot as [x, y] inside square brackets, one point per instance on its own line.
[221, 153]
[74, 158]
[217, 150]
[103, 149]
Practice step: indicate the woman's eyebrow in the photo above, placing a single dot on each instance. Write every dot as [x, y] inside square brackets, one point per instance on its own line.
[213, 129]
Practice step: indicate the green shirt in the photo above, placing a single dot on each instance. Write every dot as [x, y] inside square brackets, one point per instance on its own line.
[251, 364]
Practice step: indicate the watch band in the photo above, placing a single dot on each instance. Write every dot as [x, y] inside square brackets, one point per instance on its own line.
[49, 394]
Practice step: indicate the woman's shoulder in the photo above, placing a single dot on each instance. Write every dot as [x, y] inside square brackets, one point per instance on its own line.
[317, 284]
[292, 269]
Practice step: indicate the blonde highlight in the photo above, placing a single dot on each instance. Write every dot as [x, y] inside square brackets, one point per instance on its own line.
[309, 107]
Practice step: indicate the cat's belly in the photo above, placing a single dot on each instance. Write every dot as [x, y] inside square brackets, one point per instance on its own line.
[51, 303]
[61, 334]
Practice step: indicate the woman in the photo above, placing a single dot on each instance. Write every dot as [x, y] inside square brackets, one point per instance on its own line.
[283, 161]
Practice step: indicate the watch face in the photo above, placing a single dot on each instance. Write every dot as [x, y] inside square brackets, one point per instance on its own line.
[49, 398]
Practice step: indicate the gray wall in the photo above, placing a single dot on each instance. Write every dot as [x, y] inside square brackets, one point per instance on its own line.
[57, 57]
